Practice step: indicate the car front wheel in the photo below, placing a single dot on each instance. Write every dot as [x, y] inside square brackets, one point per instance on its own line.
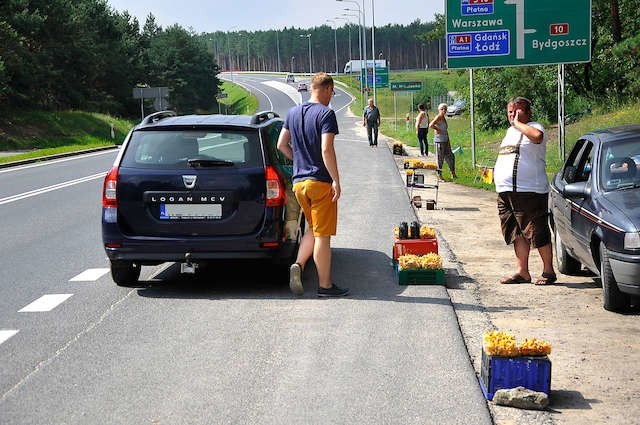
[125, 273]
[614, 300]
[566, 263]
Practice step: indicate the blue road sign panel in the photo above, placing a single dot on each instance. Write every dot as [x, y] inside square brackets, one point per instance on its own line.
[478, 43]
[476, 7]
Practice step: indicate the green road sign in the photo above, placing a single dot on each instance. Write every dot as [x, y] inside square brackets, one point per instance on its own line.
[487, 33]
[382, 77]
[406, 85]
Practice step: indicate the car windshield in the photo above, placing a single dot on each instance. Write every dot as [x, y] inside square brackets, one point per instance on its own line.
[184, 149]
[619, 165]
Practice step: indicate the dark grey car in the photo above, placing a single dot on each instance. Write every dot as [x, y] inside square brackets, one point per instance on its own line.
[195, 188]
[595, 212]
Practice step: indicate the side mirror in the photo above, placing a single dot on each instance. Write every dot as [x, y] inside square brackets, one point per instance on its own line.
[576, 190]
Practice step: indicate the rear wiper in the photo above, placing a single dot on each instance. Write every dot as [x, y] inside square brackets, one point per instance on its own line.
[195, 163]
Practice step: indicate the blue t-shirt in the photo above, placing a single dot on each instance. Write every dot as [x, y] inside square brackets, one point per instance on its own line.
[307, 148]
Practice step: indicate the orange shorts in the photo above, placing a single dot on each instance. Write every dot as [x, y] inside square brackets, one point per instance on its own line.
[320, 211]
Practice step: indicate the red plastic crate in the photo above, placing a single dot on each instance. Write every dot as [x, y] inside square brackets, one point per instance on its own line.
[414, 246]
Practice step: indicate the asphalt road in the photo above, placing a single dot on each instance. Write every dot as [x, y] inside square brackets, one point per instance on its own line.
[230, 344]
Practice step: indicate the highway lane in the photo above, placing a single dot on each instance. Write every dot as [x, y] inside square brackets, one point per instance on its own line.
[230, 344]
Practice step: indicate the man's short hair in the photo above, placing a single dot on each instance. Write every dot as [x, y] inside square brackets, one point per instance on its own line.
[519, 100]
[421, 106]
[321, 79]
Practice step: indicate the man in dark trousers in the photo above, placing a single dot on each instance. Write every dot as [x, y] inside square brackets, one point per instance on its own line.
[307, 138]
[371, 118]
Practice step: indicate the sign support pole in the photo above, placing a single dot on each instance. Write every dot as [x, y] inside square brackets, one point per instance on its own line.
[473, 121]
[395, 111]
[561, 112]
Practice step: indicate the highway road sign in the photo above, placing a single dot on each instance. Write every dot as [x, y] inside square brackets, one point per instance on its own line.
[488, 33]
[382, 77]
[150, 92]
[406, 85]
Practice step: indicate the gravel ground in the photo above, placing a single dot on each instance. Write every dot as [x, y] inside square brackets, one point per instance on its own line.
[595, 353]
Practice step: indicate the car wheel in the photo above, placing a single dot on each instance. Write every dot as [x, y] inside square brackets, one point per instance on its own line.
[614, 300]
[125, 273]
[566, 263]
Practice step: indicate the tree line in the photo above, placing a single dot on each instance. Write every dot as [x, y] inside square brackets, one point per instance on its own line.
[56, 55]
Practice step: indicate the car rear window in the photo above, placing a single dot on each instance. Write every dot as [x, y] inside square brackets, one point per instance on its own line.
[173, 148]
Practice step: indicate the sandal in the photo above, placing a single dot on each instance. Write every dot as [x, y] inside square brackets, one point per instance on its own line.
[546, 279]
[515, 279]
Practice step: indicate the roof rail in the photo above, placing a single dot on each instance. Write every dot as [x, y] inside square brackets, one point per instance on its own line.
[155, 117]
[263, 116]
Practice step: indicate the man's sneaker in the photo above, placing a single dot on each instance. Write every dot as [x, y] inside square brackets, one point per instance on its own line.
[334, 291]
[295, 279]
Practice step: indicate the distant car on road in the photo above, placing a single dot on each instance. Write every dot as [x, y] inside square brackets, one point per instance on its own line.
[194, 188]
[457, 108]
[302, 87]
[595, 212]
[290, 78]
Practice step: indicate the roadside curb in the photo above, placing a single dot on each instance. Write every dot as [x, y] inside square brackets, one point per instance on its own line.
[56, 156]
[464, 285]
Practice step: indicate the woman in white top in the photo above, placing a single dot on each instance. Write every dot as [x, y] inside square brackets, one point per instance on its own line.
[441, 141]
[422, 128]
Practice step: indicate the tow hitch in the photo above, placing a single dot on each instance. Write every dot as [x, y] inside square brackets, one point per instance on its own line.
[188, 266]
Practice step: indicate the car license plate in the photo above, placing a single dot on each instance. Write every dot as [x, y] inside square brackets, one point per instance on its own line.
[190, 211]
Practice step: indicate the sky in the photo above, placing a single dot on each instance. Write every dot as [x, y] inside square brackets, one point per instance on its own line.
[254, 15]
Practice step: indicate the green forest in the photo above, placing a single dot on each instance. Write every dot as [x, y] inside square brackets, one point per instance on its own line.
[57, 55]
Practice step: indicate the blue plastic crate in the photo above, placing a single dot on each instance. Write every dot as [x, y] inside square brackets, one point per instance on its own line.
[497, 373]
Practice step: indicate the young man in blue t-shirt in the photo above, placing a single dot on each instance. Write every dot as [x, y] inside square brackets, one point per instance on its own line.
[307, 138]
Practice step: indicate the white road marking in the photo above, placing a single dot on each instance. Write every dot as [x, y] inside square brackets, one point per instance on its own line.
[42, 190]
[89, 275]
[286, 89]
[45, 303]
[54, 161]
[6, 334]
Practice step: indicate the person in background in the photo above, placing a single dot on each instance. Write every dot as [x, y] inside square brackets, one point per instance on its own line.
[371, 119]
[422, 128]
[441, 141]
[523, 192]
[307, 137]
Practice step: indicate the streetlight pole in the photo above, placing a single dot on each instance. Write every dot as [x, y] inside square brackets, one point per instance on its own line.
[278, 49]
[292, 58]
[247, 52]
[373, 50]
[359, 50]
[229, 51]
[335, 40]
[309, 37]
[361, 12]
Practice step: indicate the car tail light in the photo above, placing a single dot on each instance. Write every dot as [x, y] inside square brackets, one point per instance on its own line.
[109, 190]
[275, 188]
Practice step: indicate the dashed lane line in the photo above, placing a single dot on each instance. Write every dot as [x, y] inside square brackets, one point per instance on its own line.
[89, 275]
[6, 334]
[45, 303]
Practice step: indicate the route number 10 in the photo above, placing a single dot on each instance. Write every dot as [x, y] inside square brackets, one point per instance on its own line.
[559, 29]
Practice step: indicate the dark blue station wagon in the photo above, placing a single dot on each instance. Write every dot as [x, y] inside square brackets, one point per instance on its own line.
[200, 187]
[595, 212]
